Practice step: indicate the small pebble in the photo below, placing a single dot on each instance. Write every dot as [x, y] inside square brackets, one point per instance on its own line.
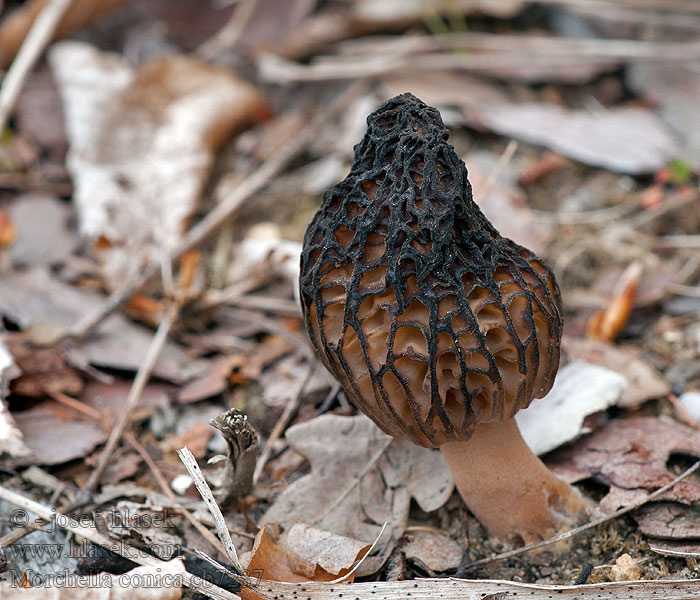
[181, 483]
[625, 569]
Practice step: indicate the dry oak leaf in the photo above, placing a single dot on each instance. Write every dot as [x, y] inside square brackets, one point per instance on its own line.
[43, 371]
[435, 549]
[304, 553]
[132, 585]
[54, 440]
[340, 449]
[630, 456]
[669, 520]
[142, 142]
[628, 140]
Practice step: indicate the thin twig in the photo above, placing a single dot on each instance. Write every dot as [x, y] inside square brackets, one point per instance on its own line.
[165, 488]
[142, 376]
[229, 34]
[351, 572]
[257, 302]
[223, 212]
[76, 405]
[684, 290]
[200, 483]
[482, 192]
[37, 39]
[573, 532]
[289, 410]
[669, 552]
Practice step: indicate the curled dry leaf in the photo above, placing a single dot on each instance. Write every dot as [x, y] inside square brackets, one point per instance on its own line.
[629, 140]
[304, 553]
[8, 231]
[580, 389]
[214, 382]
[644, 382]
[606, 323]
[630, 456]
[340, 449]
[142, 142]
[128, 586]
[53, 438]
[42, 370]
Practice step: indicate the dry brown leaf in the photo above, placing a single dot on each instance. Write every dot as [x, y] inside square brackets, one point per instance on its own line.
[629, 140]
[121, 344]
[436, 550]
[110, 398]
[195, 438]
[339, 449]
[630, 456]
[214, 382]
[145, 309]
[271, 23]
[547, 164]
[54, 440]
[270, 350]
[303, 554]
[142, 142]
[132, 585]
[669, 520]
[645, 382]
[42, 370]
[15, 27]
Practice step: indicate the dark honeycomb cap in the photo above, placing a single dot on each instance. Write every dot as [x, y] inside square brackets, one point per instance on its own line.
[430, 320]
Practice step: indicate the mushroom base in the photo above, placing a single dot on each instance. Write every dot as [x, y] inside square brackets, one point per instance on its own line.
[509, 489]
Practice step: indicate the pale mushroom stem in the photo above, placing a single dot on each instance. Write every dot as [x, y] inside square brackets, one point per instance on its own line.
[507, 488]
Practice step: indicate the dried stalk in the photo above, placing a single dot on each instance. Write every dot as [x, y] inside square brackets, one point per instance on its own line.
[37, 39]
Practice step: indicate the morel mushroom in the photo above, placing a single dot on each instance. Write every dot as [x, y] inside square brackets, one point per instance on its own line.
[438, 328]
